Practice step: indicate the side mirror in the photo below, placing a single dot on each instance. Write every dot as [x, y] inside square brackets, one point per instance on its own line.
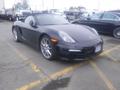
[33, 24]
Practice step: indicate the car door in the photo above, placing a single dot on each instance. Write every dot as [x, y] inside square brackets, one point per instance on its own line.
[93, 21]
[30, 34]
[107, 22]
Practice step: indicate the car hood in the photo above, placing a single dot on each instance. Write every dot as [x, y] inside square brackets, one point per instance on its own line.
[78, 32]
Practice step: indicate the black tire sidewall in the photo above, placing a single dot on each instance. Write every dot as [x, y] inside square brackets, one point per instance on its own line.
[54, 54]
[17, 40]
[115, 33]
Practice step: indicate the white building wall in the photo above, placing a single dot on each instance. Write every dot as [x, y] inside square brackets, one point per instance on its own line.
[1, 4]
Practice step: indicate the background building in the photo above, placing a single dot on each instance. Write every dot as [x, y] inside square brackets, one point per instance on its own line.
[2, 4]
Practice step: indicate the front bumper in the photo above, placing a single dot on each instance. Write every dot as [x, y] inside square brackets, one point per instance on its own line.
[74, 53]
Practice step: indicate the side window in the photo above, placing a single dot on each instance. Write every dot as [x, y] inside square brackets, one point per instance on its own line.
[28, 19]
[96, 16]
[109, 16]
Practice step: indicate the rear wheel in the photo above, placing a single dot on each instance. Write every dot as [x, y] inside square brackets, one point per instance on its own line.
[15, 35]
[116, 33]
[10, 18]
[17, 18]
[47, 48]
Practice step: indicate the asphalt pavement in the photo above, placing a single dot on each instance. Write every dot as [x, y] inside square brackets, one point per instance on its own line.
[23, 67]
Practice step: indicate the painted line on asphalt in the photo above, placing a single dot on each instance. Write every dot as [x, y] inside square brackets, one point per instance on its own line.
[34, 67]
[62, 72]
[106, 53]
[112, 58]
[110, 50]
[52, 77]
[38, 70]
[103, 76]
[18, 52]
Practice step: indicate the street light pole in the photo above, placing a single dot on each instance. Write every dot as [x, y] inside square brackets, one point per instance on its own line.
[98, 5]
[53, 4]
[4, 4]
[43, 4]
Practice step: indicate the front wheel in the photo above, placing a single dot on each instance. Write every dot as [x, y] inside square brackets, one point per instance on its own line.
[116, 33]
[47, 49]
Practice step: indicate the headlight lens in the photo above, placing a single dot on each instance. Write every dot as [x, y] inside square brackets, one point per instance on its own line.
[66, 37]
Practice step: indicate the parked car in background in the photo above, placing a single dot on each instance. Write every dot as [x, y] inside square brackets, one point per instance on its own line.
[21, 14]
[55, 36]
[5, 14]
[57, 11]
[105, 22]
[72, 15]
[13, 15]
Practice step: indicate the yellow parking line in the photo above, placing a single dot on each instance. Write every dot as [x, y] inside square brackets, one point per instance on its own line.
[35, 68]
[112, 58]
[62, 72]
[17, 52]
[30, 85]
[103, 76]
[110, 50]
[52, 76]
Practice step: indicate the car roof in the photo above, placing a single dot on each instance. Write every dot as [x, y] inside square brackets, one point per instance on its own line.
[115, 11]
[42, 13]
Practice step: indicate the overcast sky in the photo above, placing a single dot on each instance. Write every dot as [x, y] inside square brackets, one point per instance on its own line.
[60, 4]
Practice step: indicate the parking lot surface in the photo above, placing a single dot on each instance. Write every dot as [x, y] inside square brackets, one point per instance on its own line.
[23, 67]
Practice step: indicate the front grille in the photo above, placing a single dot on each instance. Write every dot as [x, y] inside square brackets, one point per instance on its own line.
[88, 50]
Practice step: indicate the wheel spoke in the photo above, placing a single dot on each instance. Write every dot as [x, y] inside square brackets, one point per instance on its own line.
[49, 53]
[46, 48]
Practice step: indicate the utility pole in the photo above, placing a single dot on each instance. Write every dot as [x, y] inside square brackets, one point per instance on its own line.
[98, 5]
[43, 4]
[3, 4]
[53, 4]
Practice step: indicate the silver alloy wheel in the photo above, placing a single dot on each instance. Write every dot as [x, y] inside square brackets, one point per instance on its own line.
[17, 19]
[15, 36]
[118, 33]
[46, 47]
[10, 19]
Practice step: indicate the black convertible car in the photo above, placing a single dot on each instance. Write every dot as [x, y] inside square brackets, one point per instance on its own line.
[106, 22]
[55, 36]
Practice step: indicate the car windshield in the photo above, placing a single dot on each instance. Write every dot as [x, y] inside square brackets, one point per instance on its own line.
[51, 19]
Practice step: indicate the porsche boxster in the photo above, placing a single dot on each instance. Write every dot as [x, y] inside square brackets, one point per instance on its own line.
[55, 37]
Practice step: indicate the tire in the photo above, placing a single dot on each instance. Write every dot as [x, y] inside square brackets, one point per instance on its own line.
[15, 35]
[10, 18]
[17, 19]
[47, 49]
[116, 33]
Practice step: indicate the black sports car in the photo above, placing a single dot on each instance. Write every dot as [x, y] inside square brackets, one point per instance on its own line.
[55, 36]
[106, 22]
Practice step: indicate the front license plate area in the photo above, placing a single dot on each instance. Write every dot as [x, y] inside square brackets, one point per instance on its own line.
[98, 48]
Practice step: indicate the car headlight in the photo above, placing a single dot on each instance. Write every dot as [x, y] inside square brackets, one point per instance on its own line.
[66, 37]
